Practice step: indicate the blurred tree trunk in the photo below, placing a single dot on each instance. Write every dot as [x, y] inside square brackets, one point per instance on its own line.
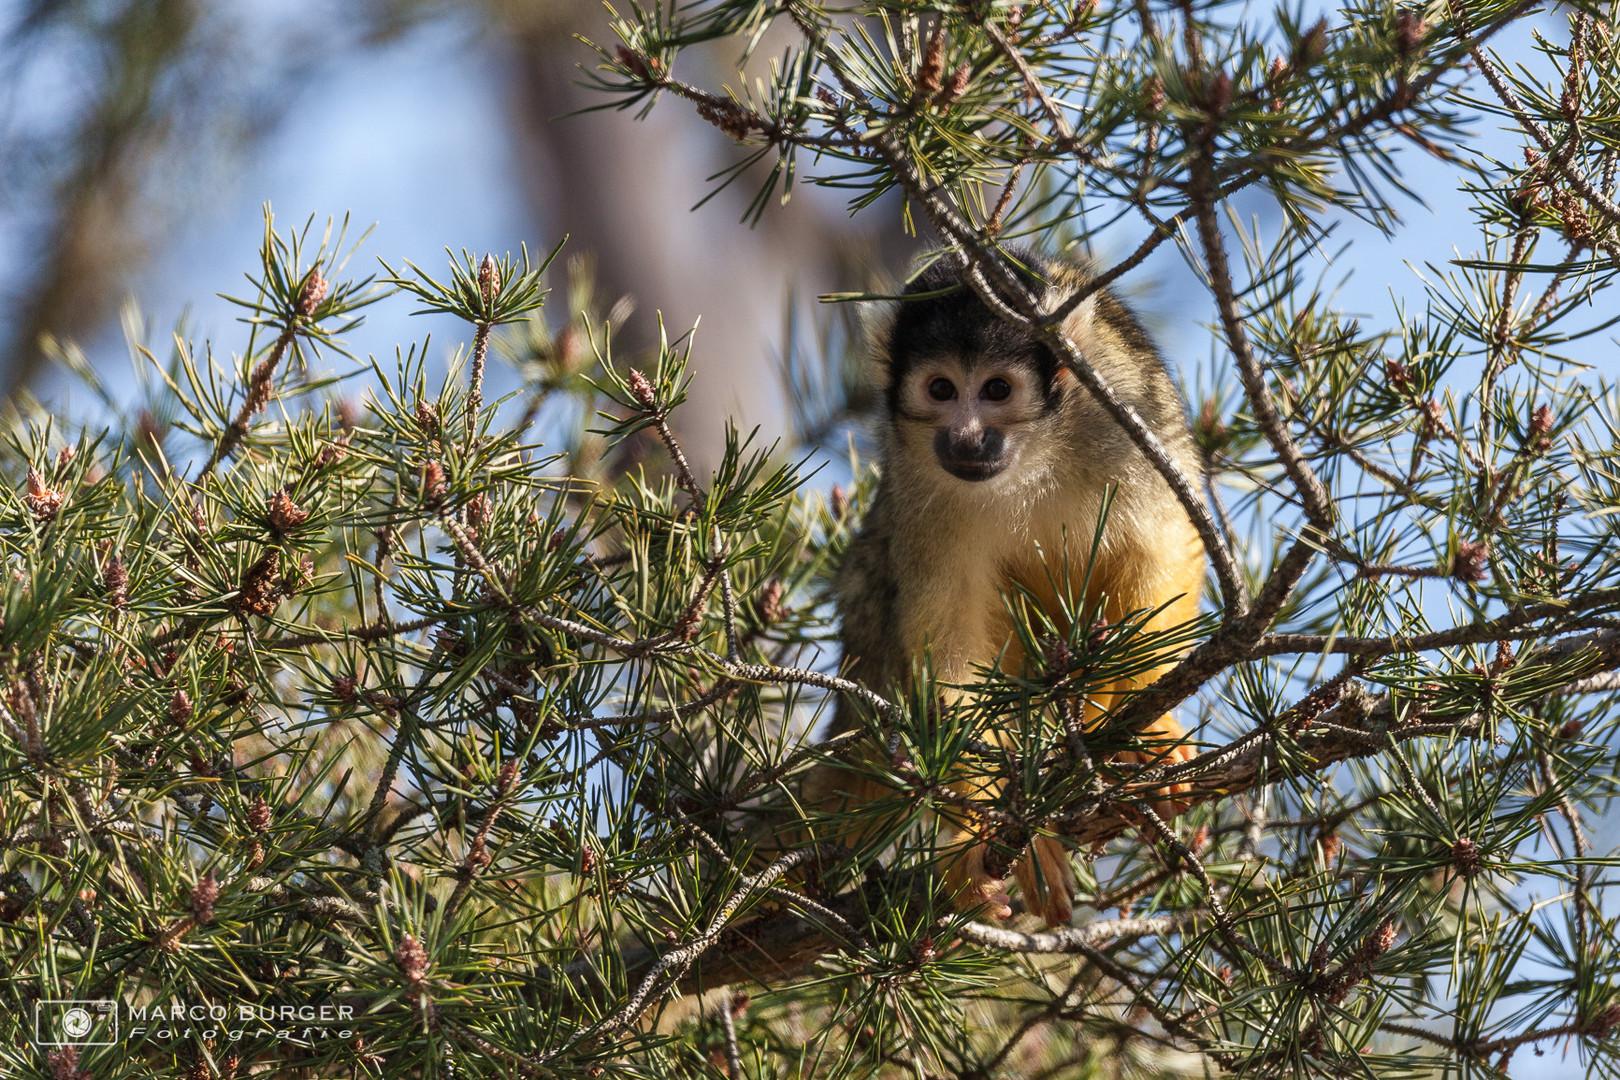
[95, 230]
[624, 190]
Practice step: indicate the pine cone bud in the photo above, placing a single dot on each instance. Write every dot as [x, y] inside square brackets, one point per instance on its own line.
[114, 578]
[957, 85]
[635, 62]
[180, 709]
[838, 503]
[1219, 93]
[434, 483]
[260, 590]
[1541, 422]
[1399, 376]
[258, 815]
[1471, 561]
[1600, 1025]
[690, 623]
[427, 417]
[412, 960]
[1313, 45]
[42, 501]
[642, 390]
[1465, 856]
[771, 609]
[64, 1064]
[1154, 95]
[1058, 660]
[1409, 31]
[285, 515]
[933, 65]
[203, 895]
[1212, 435]
[489, 279]
[312, 293]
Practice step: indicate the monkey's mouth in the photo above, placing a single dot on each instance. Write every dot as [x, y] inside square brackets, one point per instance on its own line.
[973, 471]
[972, 458]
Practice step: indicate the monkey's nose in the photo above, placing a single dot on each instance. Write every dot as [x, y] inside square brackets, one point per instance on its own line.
[970, 453]
[976, 444]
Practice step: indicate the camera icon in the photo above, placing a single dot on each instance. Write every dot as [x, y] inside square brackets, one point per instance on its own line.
[75, 1023]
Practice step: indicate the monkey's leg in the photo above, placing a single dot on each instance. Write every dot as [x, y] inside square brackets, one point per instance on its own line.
[1047, 880]
[973, 889]
[1164, 742]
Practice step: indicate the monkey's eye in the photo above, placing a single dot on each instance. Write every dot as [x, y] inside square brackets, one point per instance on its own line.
[941, 390]
[996, 390]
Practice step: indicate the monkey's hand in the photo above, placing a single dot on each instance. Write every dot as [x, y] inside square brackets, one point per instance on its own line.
[973, 889]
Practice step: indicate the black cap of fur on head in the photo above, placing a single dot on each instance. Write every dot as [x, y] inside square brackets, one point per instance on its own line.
[958, 322]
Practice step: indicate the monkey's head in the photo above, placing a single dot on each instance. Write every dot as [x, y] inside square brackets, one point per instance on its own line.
[980, 395]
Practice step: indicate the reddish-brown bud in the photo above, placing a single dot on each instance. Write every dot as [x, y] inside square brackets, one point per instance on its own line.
[771, 608]
[690, 623]
[258, 815]
[312, 292]
[1399, 376]
[1602, 1023]
[64, 1064]
[114, 578]
[956, 86]
[1313, 45]
[427, 418]
[1153, 95]
[434, 483]
[1466, 857]
[489, 279]
[1471, 563]
[1059, 660]
[332, 453]
[1541, 422]
[42, 501]
[642, 390]
[203, 895]
[1504, 658]
[343, 688]
[838, 503]
[1219, 93]
[932, 68]
[1409, 31]
[284, 514]
[180, 709]
[260, 590]
[412, 960]
[1212, 435]
[634, 61]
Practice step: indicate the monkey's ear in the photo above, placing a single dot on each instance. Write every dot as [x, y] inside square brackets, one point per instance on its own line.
[877, 328]
[1079, 326]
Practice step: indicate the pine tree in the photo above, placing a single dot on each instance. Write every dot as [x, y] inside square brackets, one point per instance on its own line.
[480, 724]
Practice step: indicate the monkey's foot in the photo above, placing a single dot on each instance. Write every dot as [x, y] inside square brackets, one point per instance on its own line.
[1165, 796]
[974, 890]
[1047, 881]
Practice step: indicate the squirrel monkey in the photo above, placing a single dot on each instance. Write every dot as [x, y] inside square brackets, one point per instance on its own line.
[995, 465]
